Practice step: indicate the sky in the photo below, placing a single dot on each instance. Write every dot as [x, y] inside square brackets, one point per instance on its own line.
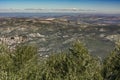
[99, 6]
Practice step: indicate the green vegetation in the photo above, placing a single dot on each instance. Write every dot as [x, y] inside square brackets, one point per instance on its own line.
[111, 65]
[23, 63]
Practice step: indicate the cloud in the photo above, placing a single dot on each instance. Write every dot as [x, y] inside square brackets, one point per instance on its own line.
[59, 10]
[46, 10]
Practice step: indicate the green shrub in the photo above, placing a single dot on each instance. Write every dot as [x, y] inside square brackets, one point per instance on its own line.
[111, 65]
[5, 62]
[23, 55]
[77, 64]
[19, 64]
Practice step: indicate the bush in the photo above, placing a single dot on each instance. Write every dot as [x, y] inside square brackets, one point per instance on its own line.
[23, 55]
[111, 65]
[77, 64]
[20, 64]
[5, 62]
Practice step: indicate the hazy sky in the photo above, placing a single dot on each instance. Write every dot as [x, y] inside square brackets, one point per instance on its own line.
[102, 6]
